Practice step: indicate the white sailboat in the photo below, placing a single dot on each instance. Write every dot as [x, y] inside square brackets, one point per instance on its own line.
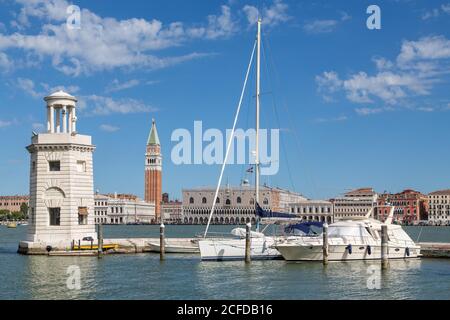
[352, 240]
[262, 246]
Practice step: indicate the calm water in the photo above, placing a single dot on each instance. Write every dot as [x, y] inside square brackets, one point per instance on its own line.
[143, 276]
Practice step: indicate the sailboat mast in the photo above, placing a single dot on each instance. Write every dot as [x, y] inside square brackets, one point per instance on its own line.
[258, 87]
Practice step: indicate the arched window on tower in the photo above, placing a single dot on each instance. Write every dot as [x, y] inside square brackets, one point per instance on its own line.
[218, 200]
[252, 201]
[191, 200]
[228, 202]
[238, 200]
[266, 202]
[204, 200]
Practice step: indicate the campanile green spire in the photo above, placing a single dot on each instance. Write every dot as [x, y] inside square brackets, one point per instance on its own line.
[153, 138]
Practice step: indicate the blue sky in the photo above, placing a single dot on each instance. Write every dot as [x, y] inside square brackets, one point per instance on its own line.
[356, 107]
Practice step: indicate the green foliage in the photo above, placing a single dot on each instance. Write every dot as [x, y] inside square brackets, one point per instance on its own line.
[24, 209]
[7, 215]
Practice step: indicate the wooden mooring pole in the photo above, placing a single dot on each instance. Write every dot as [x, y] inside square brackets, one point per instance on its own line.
[325, 244]
[248, 243]
[100, 240]
[384, 247]
[162, 242]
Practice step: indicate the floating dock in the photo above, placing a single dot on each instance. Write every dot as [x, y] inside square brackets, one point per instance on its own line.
[435, 250]
[111, 246]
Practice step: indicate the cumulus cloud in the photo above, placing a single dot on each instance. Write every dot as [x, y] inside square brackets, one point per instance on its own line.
[436, 12]
[107, 43]
[100, 105]
[270, 15]
[29, 87]
[417, 68]
[5, 62]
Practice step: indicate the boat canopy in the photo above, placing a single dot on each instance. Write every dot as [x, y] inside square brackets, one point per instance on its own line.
[241, 233]
[304, 228]
[260, 212]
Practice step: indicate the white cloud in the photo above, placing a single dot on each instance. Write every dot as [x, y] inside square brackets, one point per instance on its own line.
[426, 48]
[109, 128]
[5, 62]
[29, 87]
[417, 68]
[271, 16]
[436, 12]
[116, 85]
[108, 43]
[100, 105]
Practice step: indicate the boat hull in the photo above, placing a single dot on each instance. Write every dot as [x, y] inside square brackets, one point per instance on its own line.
[342, 253]
[187, 248]
[234, 249]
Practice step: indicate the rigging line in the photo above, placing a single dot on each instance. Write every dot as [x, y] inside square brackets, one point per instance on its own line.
[229, 141]
[286, 108]
[420, 233]
[277, 118]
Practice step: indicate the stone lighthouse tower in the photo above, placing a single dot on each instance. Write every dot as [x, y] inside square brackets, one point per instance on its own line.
[61, 180]
[153, 171]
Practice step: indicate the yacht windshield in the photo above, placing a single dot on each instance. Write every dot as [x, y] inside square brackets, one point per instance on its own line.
[347, 231]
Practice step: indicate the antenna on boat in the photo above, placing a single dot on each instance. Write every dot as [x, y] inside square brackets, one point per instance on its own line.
[258, 94]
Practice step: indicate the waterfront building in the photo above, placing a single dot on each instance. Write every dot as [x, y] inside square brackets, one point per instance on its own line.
[153, 171]
[61, 179]
[355, 203]
[123, 209]
[172, 211]
[313, 210]
[13, 203]
[234, 205]
[439, 207]
[410, 206]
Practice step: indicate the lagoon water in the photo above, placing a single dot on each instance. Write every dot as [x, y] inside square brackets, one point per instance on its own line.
[143, 276]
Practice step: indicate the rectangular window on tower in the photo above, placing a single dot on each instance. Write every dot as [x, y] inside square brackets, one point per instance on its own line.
[54, 165]
[55, 216]
[81, 166]
[82, 215]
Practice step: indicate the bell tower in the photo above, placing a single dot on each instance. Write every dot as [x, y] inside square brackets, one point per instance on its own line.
[153, 171]
[61, 180]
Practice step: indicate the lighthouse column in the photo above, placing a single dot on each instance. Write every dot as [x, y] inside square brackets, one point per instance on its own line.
[64, 113]
[74, 120]
[58, 120]
[52, 119]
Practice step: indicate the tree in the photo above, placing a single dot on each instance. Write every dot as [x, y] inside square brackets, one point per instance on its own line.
[24, 209]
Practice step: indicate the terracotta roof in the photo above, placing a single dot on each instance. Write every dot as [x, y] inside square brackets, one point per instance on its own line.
[441, 192]
[361, 191]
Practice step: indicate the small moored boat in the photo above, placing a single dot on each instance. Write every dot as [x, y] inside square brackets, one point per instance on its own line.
[176, 246]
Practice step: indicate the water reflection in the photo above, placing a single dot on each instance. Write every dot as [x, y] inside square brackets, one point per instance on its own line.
[47, 277]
